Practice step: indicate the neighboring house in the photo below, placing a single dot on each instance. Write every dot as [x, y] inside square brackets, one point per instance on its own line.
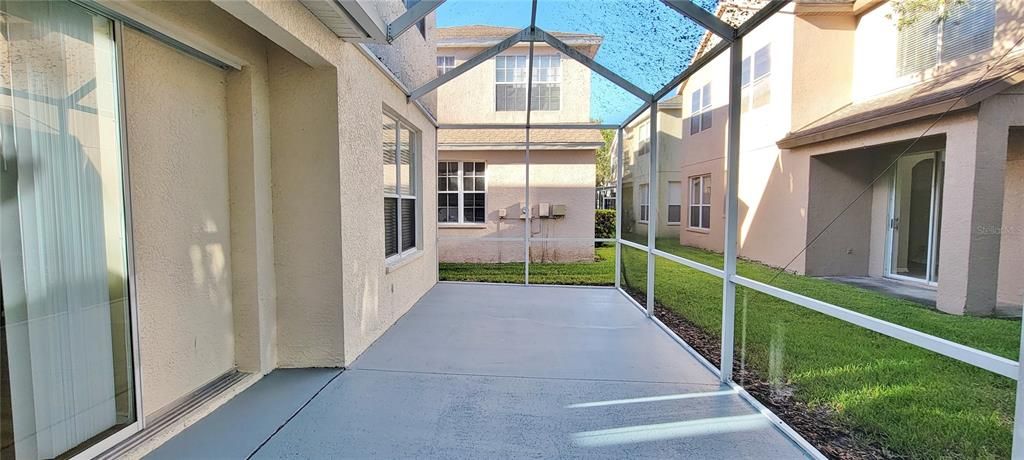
[832, 93]
[261, 232]
[636, 166]
[482, 172]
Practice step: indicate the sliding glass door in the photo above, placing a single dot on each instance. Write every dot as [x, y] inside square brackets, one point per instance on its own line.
[67, 358]
[913, 220]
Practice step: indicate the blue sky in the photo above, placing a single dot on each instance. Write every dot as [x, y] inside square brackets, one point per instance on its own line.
[645, 41]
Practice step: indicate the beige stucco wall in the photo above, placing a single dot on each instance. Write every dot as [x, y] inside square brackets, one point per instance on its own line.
[179, 169]
[230, 271]
[373, 295]
[556, 177]
[637, 169]
[825, 84]
[772, 184]
[469, 98]
[1011, 252]
[307, 218]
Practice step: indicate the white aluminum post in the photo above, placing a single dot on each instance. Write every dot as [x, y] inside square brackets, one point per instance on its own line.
[652, 205]
[1017, 451]
[529, 225]
[731, 209]
[618, 208]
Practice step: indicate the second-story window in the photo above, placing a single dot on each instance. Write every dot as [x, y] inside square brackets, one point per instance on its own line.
[643, 143]
[510, 83]
[547, 82]
[444, 64]
[700, 109]
[930, 38]
[757, 87]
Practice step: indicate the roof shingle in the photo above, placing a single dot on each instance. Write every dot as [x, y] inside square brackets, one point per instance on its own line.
[549, 138]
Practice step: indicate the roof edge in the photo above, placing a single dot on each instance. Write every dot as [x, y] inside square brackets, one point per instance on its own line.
[796, 139]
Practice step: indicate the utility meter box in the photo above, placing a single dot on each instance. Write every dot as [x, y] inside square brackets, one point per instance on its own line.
[558, 210]
[544, 210]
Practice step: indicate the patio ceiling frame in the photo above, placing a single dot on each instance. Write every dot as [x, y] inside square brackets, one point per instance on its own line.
[411, 16]
[703, 17]
[731, 40]
[532, 35]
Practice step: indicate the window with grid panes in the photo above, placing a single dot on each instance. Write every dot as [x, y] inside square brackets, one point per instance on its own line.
[461, 192]
[400, 151]
[510, 83]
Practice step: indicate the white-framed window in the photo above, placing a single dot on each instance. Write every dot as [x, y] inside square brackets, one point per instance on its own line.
[700, 202]
[444, 64]
[401, 157]
[675, 202]
[700, 109]
[461, 192]
[510, 83]
[643, 137]
[956, 30]
[547, 82]
[645, 202]
[757, 88]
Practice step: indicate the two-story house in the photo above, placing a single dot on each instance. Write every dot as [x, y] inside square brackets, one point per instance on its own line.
[482, 179]
[636, 167]
[882, 145]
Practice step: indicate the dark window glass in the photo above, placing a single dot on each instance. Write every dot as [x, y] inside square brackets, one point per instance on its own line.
[390, 226]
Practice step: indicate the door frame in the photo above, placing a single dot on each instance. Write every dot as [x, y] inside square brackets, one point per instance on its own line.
[931, 275]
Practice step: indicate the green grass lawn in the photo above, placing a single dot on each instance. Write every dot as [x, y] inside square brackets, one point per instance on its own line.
[914, 402]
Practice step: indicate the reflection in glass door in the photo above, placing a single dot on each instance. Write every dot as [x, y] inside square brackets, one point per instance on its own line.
[67, 358]
[913, 238]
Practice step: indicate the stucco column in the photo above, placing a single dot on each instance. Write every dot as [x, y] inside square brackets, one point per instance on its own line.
[972, 210]
[252, 239]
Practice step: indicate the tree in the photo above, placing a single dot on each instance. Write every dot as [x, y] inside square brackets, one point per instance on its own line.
[908, 12]
[603, 158]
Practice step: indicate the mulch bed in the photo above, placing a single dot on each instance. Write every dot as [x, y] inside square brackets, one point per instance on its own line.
[817, 425]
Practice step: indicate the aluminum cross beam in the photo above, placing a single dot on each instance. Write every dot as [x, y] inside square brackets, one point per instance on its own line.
[540, 35]
[703, 17]
[411, 16]
[521, 36]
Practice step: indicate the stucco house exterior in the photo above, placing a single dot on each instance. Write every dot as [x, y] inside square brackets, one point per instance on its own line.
[482, 172]
[816, 138]
[193, 196]
[636, 168]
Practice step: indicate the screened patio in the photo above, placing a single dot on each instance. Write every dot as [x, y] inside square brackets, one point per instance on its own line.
[535, 368]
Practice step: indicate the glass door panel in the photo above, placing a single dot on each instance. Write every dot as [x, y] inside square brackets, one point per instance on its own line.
[67, 367]
[913, 217]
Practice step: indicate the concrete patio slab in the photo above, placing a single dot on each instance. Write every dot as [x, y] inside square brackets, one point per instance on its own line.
[532, 331]
[238, 427]
[486, 371]
[374, 414]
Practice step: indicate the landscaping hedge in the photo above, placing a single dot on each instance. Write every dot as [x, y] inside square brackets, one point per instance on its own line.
[604, 223]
